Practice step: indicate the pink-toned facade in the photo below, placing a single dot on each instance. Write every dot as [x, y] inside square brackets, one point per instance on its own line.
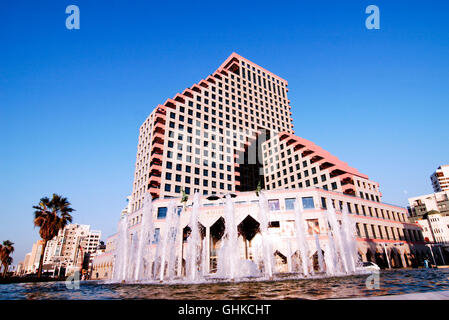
[192, 142]
[293, 162]
[204, 140]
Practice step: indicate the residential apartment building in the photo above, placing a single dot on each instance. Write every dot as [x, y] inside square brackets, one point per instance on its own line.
[440, 179]
[435, 228]
[31, 262]
[67, 250]
[418, 206]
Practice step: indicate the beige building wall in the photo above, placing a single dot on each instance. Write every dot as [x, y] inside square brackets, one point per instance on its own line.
[435, 228]
[420, 205]
[382, 228]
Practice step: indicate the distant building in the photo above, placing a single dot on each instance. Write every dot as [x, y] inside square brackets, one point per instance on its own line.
[74, 242]
[19, 270]
[103, 262]
[440, 179]
[436, 233]
[69, 251]
[418, 206]
[32, 258]
[435, 228]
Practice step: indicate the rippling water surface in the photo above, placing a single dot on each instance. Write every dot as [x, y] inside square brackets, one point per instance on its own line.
[391, 282]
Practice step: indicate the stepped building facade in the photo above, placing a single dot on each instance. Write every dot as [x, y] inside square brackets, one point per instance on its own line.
[232, 133]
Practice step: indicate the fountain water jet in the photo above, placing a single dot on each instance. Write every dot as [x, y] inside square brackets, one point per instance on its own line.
[168, 240]
[193, 242]
[301, 237]
[266, 246]
[146, 235]
[349, 236]
[121, 256]
[337, 236]
[229, 254]
[319, 253]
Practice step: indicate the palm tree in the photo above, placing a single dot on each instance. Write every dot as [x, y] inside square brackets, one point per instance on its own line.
[6, 265]
[51, 216]
[184, 198]
[5, 251]
[258, 188]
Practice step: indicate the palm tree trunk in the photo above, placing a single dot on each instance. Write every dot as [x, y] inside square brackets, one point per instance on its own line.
[5, 271]
[41, 259]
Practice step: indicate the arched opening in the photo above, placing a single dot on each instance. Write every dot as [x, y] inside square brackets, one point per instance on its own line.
[369, 256]
[185, 235]
[316, 263]
[396, 261]
[360, 256]
[280, 261]
[296, 262]
[380, 259]
[216, 233]
[406, 259]
[248, 228]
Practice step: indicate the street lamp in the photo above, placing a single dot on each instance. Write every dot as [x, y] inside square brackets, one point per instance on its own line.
[431, 251]
[386, 255]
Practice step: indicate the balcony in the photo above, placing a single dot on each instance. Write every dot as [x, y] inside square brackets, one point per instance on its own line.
[348, 190]
[336, 172]
[154, 181]
[326, 165]
[346, 179]
[316, 159]
[154, 192]
[159, 127]
[305, 153]
[156, 150]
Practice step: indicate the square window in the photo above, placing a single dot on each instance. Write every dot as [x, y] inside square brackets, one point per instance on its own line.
[161, 212]
[290, 204]
[307, 203]
[273, 205]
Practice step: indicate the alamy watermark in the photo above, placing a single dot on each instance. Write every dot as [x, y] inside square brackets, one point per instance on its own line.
[373, 20]
[73, 20]
[373, 280]
[73, 282]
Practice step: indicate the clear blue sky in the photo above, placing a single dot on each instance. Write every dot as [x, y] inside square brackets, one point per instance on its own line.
[71, 101]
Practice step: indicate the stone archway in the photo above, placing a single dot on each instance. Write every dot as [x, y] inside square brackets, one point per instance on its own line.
[369, 256]
[380, 259]
[395, 259]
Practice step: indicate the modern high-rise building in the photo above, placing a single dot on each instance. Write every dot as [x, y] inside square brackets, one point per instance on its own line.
[292, 162]
[232, 134]
[209, 138]
[198, 139]
[440, 179]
